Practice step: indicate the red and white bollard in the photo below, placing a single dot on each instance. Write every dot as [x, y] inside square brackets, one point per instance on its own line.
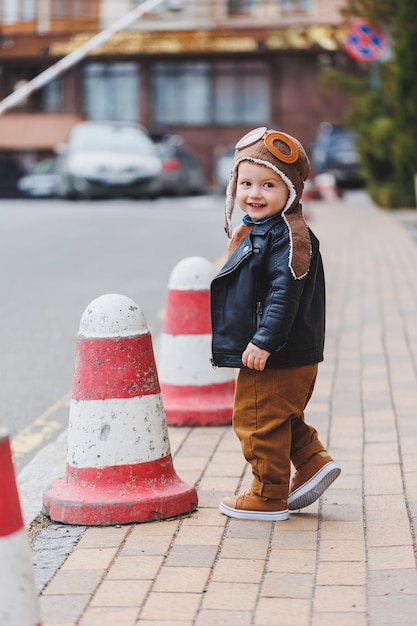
[326, 186]
[194, 393]
[119, 465]
[18, 601]
[307, 197]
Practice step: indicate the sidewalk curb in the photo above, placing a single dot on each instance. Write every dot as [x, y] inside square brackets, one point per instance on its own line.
[47, 465]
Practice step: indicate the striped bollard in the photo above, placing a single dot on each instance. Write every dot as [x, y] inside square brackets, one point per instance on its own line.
[18, 600]
[194, 393]
[119, 465]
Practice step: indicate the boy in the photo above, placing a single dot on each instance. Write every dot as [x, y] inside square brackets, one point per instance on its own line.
[268, 314]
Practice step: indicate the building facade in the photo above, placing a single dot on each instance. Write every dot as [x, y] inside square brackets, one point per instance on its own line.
[209, 70]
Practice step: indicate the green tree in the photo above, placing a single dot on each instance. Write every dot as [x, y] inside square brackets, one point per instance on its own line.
[384, 103]
[405, 94]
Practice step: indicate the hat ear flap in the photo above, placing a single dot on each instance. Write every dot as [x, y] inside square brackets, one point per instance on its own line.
[230, 200]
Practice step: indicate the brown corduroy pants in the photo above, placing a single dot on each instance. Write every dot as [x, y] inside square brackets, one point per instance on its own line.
[268, 418]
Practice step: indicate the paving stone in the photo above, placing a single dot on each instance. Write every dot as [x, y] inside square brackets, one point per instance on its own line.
[392, 582]
[163, 606]
[182, 579]
[239, 570]
[341, 598]
[78, 582]
[213, 617]
[109, 616]
[231, 596]
[135, 567]
[191, 556]
[287, 585]
[121, 593]
[62, 608]
[290, 612]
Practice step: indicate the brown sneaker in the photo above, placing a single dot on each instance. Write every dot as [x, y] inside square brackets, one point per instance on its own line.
[311, 480]
[251, 506]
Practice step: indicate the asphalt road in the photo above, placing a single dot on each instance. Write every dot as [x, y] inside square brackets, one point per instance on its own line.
[55, 258]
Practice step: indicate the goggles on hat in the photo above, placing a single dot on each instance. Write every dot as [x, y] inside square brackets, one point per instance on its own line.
[269, 137]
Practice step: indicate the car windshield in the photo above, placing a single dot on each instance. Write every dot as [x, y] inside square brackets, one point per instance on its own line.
[89, 138]
[47, 166]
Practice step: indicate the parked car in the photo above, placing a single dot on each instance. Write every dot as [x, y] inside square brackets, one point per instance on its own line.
[10, 172]
[43, 181]
[335, 152]
[103, 159]
[182, 170]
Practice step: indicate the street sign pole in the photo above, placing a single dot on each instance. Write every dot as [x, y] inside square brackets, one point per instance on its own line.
[367, 43]
[374, 75]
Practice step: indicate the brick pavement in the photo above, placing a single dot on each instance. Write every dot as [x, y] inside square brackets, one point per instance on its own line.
[349, 559]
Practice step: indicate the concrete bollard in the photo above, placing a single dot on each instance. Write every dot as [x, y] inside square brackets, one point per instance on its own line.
[326, 186]
[18, 601]
[194, 393]
[119, 465]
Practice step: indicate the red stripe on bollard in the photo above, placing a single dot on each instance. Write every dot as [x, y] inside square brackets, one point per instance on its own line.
[126, 494]
[11, 519]
[189, 313]
[206, 405]
[121, 367]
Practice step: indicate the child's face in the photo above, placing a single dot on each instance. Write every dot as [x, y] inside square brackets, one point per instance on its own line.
[260, 191]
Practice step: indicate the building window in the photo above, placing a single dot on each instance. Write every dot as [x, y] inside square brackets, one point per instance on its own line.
[295, 6]
[18, 11]
[52, 96]
[197, 94]
[239, 7]
[181, 93]
[73, 9]
[111, 91]
[241, 94]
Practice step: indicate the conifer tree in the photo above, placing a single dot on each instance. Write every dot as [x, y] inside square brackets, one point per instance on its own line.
[384, 113]
[405, 94]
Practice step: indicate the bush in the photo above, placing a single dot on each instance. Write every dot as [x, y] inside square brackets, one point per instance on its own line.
[390, 195]
[383, 112]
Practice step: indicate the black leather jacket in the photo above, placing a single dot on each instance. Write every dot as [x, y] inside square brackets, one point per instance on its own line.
[255, 298]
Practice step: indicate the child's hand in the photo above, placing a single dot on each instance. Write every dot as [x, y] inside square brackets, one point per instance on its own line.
[255, 358]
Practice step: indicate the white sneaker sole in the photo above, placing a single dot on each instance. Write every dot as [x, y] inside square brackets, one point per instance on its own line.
[275, 516]
[313, 488]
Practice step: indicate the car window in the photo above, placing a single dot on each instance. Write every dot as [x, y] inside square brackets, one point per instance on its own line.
[114, 138]
[47, 166]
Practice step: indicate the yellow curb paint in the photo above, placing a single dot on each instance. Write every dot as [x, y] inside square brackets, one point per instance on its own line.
[40, 430]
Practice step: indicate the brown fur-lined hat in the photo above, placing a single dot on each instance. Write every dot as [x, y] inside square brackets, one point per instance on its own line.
[286, 157]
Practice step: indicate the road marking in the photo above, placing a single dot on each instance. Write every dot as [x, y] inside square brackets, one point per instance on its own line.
[40, 430]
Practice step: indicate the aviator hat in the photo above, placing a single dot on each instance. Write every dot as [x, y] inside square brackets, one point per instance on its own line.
[285, 155]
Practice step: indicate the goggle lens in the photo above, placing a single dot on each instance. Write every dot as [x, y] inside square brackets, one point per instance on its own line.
[269, 138]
